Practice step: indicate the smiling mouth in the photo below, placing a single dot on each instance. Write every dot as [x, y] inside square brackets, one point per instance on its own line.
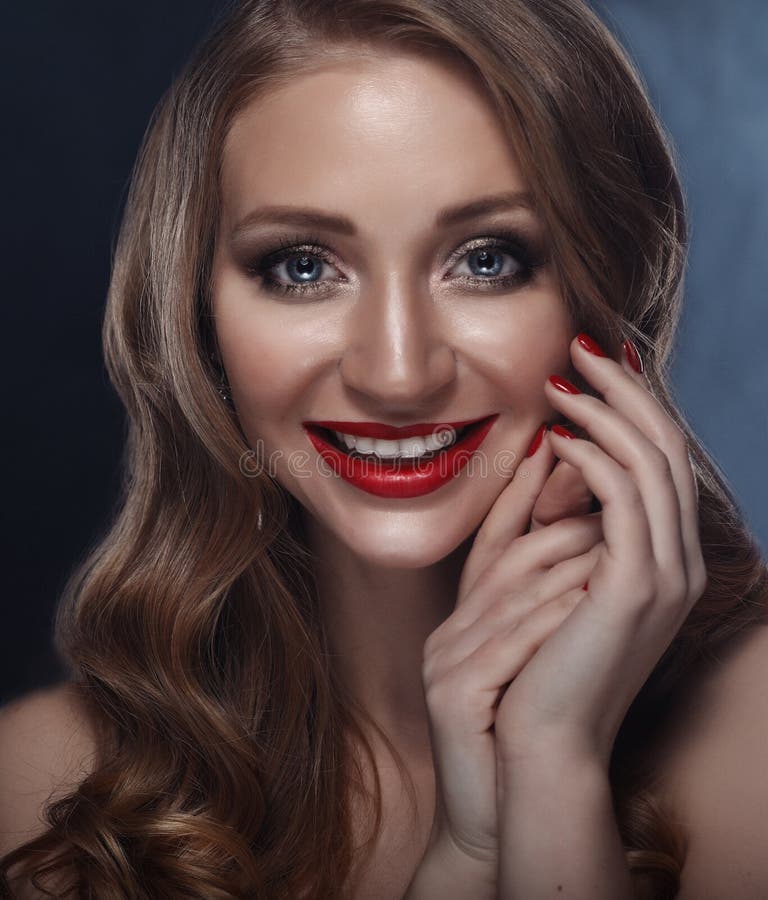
[461, 435]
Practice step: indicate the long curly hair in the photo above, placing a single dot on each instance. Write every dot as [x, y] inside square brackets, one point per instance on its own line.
[227, 763]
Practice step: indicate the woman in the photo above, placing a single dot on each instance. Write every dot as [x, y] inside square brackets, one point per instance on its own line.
[349, 218]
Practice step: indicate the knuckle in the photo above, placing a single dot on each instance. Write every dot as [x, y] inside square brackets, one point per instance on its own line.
[668, 435]
[430, 668]
[672, 439]
[576, 528]
[650, 458]
[498, 613]
[675, 588]
[447, 697]
[595, 551]
[432, 643]
[628, 492]
[662, 467]
[436, 692]
[643, 597]
[434, 668]
[428, 672]
[699, 580]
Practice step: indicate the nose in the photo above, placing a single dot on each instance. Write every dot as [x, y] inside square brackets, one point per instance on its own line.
[397, 352]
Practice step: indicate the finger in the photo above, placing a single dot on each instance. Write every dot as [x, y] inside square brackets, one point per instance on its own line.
[626, 529]
[533, 553]
[565, 577]
[509, 516]
[646, 464]
[629, 392]
[529, 555]
[689, 505]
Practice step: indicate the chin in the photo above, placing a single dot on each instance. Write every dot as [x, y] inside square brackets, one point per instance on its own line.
[406, 548]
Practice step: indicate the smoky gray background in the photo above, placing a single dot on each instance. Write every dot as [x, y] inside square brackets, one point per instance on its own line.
[81, 80]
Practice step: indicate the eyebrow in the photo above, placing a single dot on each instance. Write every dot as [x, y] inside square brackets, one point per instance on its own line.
[314, 218]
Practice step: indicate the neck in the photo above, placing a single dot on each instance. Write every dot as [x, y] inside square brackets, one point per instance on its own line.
[377, 620]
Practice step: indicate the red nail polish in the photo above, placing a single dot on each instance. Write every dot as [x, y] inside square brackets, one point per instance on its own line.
[564, 385]
[633, 357]
[589, 344]
[562, 431]
[536, 442]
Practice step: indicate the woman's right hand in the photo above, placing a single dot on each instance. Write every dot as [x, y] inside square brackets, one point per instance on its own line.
[516, 588]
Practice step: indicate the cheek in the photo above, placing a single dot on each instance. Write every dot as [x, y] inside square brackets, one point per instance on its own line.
[265, 337]
[523, 345]
[263, 357]
[264, 373]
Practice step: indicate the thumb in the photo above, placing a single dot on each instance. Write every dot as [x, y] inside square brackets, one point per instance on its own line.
[565, 494]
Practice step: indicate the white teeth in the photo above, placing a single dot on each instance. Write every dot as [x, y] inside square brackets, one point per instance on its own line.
[408, 447]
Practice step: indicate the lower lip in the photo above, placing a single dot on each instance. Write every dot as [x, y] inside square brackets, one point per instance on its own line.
[402, 477]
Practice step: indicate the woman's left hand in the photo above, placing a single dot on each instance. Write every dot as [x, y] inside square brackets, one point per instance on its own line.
[574, 692]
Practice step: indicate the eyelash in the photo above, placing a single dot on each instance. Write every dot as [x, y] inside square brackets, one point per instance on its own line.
[509, 242]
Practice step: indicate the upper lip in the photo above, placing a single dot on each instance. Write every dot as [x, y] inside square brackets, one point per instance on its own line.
[392, 432]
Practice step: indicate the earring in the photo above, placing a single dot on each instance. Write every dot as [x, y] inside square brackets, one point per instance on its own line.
[223, 388]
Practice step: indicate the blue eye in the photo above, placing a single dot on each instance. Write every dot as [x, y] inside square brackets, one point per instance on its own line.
[488, 260]
[304, 260]
[304, 265]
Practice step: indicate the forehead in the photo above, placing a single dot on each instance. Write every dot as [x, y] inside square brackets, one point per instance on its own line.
[395, 132]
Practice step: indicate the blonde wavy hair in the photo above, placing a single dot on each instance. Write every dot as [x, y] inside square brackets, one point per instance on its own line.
[225, 764]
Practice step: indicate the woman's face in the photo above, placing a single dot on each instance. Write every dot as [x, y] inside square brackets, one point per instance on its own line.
[402, 315]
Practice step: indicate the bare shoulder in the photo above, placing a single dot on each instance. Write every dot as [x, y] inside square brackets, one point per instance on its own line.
[715, 778]
[46, 747]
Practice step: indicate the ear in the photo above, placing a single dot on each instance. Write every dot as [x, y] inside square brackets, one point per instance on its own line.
[564, 494]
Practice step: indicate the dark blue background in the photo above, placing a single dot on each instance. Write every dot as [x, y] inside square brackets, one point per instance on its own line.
[83, 78]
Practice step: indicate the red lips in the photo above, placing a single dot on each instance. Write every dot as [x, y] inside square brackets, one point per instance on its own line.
[400, 478]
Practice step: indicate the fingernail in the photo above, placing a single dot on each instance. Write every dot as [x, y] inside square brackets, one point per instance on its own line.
[633, 357]
[536, 443]
[562, 431]
[564, 385]
[589, 344]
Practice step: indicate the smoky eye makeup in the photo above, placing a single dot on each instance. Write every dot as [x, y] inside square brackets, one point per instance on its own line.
[496, 260]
